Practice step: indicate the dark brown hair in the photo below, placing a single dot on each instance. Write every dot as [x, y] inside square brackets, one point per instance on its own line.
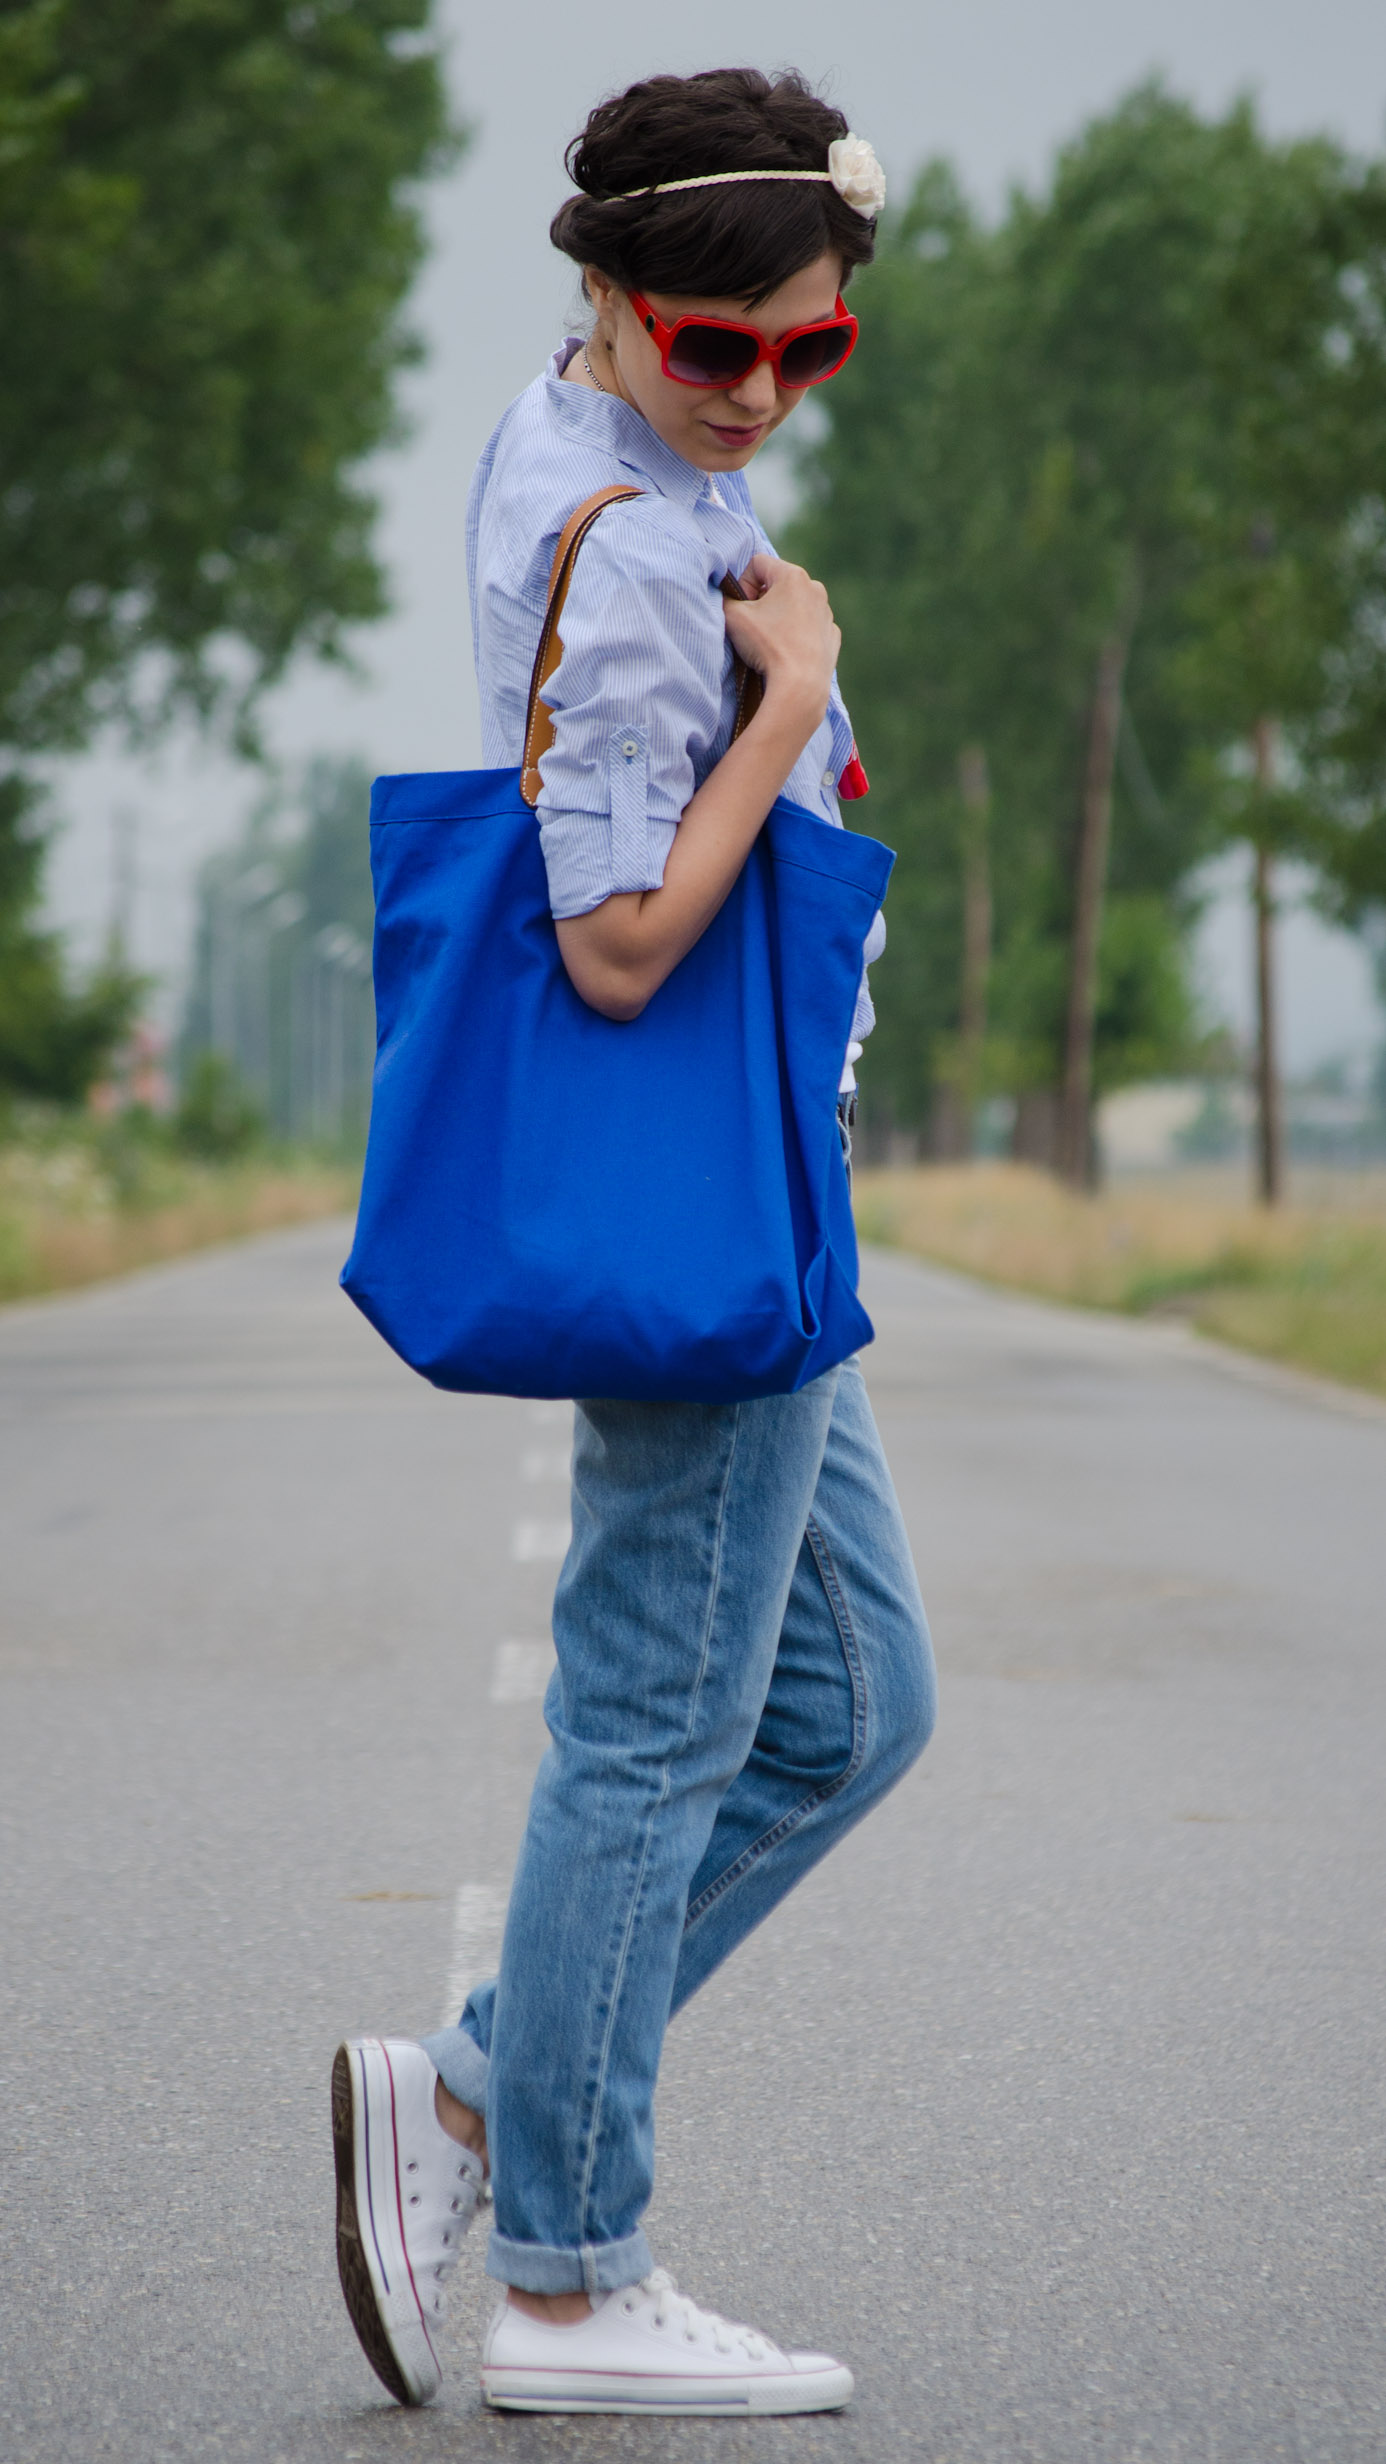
[738, 242]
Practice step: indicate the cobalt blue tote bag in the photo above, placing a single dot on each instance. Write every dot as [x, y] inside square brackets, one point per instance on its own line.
[558, 1204]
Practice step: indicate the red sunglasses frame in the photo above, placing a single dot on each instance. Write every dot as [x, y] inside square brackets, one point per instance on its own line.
[665, 335]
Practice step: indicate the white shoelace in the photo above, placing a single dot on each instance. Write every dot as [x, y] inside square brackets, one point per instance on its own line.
[465, 2170]
[669, 2303]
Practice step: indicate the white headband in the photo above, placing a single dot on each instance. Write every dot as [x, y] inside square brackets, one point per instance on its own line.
[852, 170]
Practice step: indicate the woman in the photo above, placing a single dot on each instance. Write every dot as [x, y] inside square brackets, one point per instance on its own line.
[743, 1662]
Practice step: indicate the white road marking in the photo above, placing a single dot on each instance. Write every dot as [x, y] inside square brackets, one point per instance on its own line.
[533, 1543]
[521, 1672]
[478, 1921]
[545, 1463]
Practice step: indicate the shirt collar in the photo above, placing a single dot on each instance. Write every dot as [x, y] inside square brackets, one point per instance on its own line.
[603, 419]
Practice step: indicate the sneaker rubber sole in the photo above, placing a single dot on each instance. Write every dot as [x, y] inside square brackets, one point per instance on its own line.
[372, 2261]
[540, 2391]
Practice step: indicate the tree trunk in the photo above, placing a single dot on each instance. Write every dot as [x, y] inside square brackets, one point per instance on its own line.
[976, 962]
[1270, 1143]
[947, 1133]
[1075, 1134]
[1035, 1135]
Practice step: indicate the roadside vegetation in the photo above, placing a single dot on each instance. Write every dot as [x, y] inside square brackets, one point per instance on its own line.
[1304, 1283]
[82, 1199]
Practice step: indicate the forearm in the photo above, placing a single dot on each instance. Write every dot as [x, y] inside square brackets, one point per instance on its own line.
[620, 954]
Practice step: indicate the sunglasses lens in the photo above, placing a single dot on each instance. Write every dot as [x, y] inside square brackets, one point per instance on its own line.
[710, 354]
[810, 357]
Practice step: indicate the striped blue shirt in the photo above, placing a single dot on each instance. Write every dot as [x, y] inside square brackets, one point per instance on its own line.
[644, 696]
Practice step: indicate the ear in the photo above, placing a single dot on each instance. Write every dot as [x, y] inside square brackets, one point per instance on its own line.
[601, 290]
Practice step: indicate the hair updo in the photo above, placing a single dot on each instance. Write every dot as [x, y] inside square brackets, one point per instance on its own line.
[739, 242]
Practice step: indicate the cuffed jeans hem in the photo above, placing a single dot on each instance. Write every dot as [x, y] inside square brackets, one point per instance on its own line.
[599, 2267]
[460, 2064]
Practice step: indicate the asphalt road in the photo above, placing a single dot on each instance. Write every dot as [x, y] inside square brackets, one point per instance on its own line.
[1052, 2103]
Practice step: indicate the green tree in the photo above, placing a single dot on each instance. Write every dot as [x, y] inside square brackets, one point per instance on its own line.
[207, 229]
[1284, 660]
[1084, 473]
[991, 511]
[53, 1039]
[1117, 281]
[903, 495]
[216, 1118]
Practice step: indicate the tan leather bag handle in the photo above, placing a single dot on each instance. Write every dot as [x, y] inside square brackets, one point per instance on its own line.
[538, 716]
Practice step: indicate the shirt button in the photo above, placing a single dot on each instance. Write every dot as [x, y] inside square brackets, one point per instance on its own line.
[830, 778]
[630, 748]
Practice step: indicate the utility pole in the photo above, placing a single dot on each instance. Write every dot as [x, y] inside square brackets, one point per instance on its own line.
[1093, 844]
[125, 823]
[1270, 1142]
[975, 786]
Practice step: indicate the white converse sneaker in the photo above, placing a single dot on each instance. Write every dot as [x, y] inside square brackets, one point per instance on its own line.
[406, 2194]
[649, 2349]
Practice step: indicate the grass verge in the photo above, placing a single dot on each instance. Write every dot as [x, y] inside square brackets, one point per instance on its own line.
[75, 1210]
[1303, 1285]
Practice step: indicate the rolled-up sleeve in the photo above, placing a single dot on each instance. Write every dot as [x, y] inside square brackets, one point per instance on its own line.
[637, 704]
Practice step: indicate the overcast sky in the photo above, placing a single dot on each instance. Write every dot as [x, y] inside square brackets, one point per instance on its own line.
[995, 84]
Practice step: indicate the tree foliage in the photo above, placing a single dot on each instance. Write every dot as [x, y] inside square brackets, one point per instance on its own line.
[207, 235]
[1144, 408]
[53, 1038]
[207, 229]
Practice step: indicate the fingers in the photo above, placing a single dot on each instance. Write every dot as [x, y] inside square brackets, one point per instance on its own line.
[788, 633]
[779, 612]
[745, 638]
[760, 573]
[794, 593]
[763, 570]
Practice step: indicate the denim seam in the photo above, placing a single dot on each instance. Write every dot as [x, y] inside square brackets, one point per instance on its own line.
[837, 1601]
[827, 1575]
[695, 1695]
[598, 2083]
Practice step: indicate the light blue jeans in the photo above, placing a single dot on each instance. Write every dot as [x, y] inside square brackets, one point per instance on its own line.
[743, 1670]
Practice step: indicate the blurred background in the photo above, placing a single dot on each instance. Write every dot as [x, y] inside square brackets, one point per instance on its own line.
[1099, 500]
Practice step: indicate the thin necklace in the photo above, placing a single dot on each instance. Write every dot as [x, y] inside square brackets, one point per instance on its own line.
[592, 371]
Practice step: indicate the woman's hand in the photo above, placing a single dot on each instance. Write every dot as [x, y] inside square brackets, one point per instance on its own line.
[622, 952]
[784, 628]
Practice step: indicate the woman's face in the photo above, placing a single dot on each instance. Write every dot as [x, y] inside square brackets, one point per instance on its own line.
[718, 428]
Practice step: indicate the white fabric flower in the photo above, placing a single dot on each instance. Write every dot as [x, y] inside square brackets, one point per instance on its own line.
[856, 174]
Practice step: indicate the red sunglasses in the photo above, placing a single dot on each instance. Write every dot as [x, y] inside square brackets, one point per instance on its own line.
[712, 351]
